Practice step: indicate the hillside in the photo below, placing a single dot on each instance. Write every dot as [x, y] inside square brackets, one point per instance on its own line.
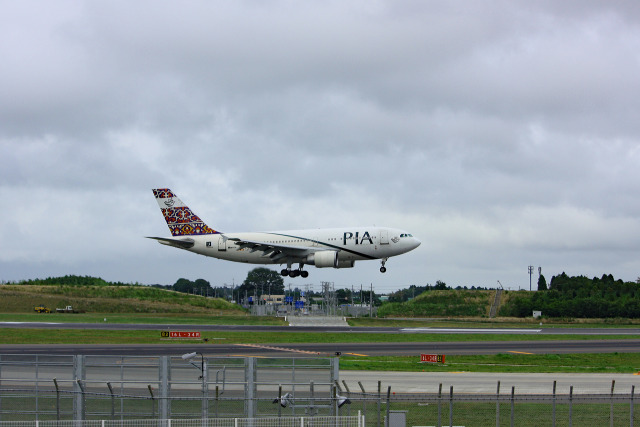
[105, 298]
[579, 297]
[472, 303]
[567, 297]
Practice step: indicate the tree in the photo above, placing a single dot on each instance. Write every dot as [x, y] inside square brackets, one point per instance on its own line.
[262, 280]
[542, 283]
[202, 287]
[440, 286]
[183, 285]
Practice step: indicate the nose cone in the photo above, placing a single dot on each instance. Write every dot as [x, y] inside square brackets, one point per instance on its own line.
[415, 243]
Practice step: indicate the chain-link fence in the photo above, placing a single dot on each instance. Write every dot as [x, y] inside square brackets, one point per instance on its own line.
[163, 387]
[85, 388]
[447, 408]
[355, 421]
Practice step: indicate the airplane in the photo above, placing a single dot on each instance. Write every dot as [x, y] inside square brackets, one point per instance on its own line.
[322, 248]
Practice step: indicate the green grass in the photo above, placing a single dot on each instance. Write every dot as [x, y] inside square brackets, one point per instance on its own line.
[109, 299]
[224, 317]
[97, 336]
[498, 322]
[469, 413]
[504, 362]
[143, 305]
[216, 317]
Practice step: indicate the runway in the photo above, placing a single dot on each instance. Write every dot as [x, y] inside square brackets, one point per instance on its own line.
[330, 349]
[486, 383]
[409, 382]
[220, 348]
[321, 329]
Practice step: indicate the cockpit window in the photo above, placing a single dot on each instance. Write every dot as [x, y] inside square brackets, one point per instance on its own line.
[406, 235]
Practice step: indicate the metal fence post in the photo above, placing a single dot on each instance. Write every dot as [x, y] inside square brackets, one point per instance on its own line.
[37, 389]
[164, 393]
[81, 399]
[364, 399]
[205, 388]
[153, 402]
[217, 399]
[388, 404]
[553, 410]
[498, 405]
[334, 375]
[633, 389]
[0, 385]
[334, 399]
[250, 386]
[440, 405]
[450, 406]
[113, 402]
[346, 387]
[513, 392]
[571, 406]
[55, 381]
[79, 373]
[379, 403]
[613, 386]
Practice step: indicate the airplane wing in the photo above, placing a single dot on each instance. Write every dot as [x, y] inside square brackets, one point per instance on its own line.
[176, 243]
[276, 252]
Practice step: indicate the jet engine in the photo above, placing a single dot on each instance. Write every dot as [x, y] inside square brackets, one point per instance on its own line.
[322, 259]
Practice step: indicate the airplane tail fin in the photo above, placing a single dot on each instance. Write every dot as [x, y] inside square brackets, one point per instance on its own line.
[180, 219]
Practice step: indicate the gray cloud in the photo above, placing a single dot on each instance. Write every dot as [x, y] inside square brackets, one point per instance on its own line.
[501, 134]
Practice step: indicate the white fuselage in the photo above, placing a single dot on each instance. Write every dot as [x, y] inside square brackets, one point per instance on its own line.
[352, 244]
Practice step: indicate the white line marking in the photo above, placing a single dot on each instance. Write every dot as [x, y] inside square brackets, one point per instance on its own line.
[472, 330]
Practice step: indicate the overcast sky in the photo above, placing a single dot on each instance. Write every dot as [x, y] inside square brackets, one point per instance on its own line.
[502, 134]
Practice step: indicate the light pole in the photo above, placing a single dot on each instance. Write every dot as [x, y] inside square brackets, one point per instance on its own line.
[203, 369]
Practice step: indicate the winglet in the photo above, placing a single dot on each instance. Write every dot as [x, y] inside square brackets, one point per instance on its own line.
[180, 219]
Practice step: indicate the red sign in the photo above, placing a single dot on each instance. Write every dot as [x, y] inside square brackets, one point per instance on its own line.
[179, 334]
[432, 358]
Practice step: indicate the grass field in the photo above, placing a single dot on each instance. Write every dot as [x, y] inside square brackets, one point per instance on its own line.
[98, 336]
[507, 362]
[144, 305]
[216, 317]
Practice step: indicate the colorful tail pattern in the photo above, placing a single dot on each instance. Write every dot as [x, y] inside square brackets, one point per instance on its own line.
[180, 219]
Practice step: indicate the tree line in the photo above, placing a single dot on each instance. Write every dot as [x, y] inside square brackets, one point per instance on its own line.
[580, 297]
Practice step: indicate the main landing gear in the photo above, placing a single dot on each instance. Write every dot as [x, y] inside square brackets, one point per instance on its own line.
[294, 273]
[383, 269]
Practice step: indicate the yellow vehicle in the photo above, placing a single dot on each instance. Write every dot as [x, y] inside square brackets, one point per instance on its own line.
[41, 309]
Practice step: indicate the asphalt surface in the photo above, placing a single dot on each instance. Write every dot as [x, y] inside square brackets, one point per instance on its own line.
[411, 382]
[258, 328]
[216, 347]
[330, 349]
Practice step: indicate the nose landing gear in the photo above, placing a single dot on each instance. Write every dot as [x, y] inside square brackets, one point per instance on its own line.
[383, 269]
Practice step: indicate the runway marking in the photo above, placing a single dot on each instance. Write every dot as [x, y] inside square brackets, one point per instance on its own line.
[30, 323]
[247, 355]
[267, 347]
[519, 352]
[472, 330]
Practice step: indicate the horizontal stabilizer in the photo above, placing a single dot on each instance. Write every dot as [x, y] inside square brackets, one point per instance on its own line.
[176, 243]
